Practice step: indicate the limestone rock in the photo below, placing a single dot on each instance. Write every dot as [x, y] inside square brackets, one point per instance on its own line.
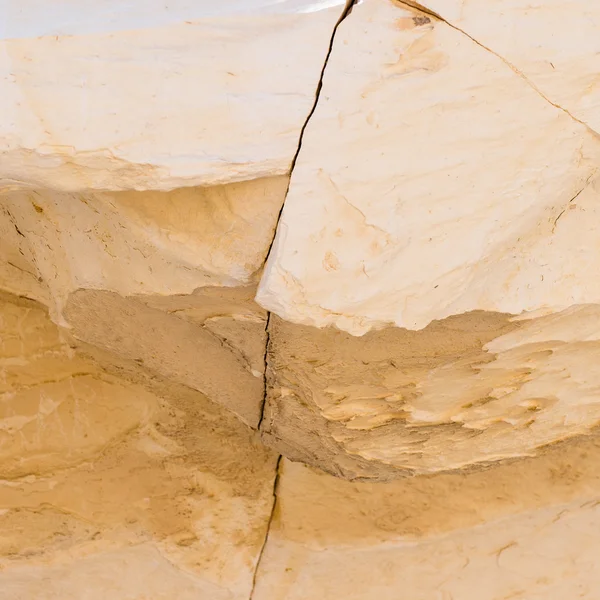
[525, 530]
[461, 393]
[426, 185]
[156, 96]
[18, 273]
[238, 237]
[143, 242]
[554, 45]
[229, 313]
[178, 349]
[96, 258]
[114, 484]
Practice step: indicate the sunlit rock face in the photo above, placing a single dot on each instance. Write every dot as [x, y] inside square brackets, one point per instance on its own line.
[427, 186]
[156, 96]
[298, 300]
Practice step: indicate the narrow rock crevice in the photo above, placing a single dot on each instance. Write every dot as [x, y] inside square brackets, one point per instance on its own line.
[347, 10]
[513, 68]
[271, 516]
[266, 359]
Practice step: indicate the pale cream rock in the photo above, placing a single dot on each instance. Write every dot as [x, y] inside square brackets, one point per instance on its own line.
[156, 95]
[114, 484]
[527, 530]
[554, 44]
[427, 185]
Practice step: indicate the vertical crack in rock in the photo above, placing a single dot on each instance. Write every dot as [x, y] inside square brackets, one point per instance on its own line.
[347, 10]
[418, 6]
[265, 358]
[262, 549]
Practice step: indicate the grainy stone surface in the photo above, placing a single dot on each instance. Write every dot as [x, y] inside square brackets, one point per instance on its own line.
[117, 484]
[524, 530]
[298, 300]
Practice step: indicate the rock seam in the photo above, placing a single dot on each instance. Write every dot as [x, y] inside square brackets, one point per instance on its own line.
[418, 6]
[347, 10]
[271, 516]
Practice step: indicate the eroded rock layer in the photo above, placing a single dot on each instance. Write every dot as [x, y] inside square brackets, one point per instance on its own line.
[111, 479]
[298, 300]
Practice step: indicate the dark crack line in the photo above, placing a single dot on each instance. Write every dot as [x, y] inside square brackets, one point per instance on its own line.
[347, 10]
[570, 202]
[264, 545]
[418, 6]
[266, 360]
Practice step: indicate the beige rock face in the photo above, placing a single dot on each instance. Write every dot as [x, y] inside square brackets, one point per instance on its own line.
[113, 484]
[144, 243]
[175, 348]
[521, 531]
[465, 391]
[298, 300]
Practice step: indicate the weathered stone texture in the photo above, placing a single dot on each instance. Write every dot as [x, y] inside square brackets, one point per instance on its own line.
[299, 300]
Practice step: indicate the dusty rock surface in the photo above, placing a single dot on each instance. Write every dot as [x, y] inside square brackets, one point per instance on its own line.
[298, 300]
[127, 485]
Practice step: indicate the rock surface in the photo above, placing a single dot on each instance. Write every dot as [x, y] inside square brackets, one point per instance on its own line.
[522, 531]
[298, 299]
[465, 391]
[95, 96]
[115, 484]
[426, 185]
[553, 45]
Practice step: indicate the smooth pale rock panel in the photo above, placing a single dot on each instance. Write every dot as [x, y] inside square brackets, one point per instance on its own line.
[462, 393]
[115, 483]
[554, 44]
[141, 242]
[156, 96]
[425, 179]
[521, 530]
